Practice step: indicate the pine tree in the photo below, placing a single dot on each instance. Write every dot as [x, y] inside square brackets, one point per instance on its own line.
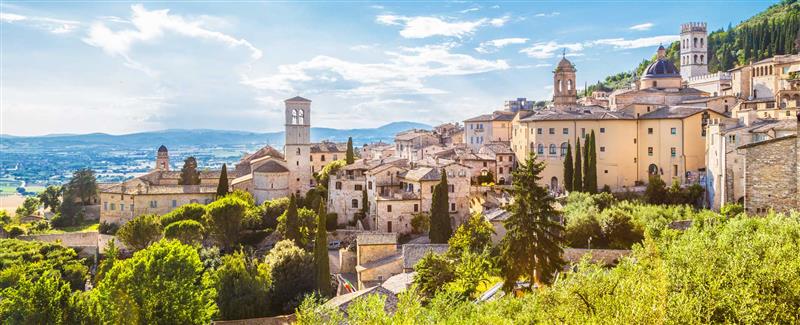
[321, 253]
[591, 172]
[189, 173]
[577, 177]
[222, 187]
[531, 248]
[292, 222]
[441, 230]
[350, 156]
[568, 169]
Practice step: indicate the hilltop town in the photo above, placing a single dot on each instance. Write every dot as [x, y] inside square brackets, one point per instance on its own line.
[375, 219]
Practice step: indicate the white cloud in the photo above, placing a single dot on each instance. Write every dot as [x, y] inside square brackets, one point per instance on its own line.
[468, 10]
[405, 72]
[550, 14]
[424, 26]
[642, 27]
[494, 45]
[152, 25]
[52, 25]
[622, 43]
[546, 50]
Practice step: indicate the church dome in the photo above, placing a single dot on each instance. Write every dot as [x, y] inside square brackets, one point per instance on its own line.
[162, 148]
[565, 65]
[662, 68]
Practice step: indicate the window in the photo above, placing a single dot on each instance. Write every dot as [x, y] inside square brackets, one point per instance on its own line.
[602, 149]
[500, 158]
[132, 206]
[389, 208]
[354, 203]
[539, 131]
[174, 203]
[540, 149]
[634, 140]
[358, 187]
[451, 188]
[113, 206]
[416, 207]
[153, 204]
[675, 170]
[605, 171]
[105, 205]
[310, 158]
[563, 149]
[552, 149]
[484, 164]
[552, 131]
[338, 185]
[565, 130]
[298, 151]
[649, 151]
[501, 170]
[369, 185]
[649, 130]
[322, 158]
[452, 207]
[335, 157]
[602, 130]
[673, 131]
[583, 132]
[673, 152]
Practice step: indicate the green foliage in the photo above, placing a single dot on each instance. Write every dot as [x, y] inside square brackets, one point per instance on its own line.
[222, 186]
[313, 197]
[140, 232]
[306, 225]
[29, 207]
[51, 198]
[440, 227]
[224, 218]
[271, 210]
[420, 223]
[349, 155]
[590, 173]
[485, 178]
[323, 176]
[364, 203]
[111, 255]
[331, 221]
[321, 263]
[433, 273]
[656, 192]
[14, 231]
[291, 270]
[46, 300]
[288, 223]
[472, 270]
[583, 231]
[158, 285]
[108, 228]
[5, 218]
[474, 236]
[31, 259]
[189, 173]
[618, 228]
[191, 211]
[242, 288]
[577, 176]
[731, 210]
[569, 169]
[82, 185]
[531, 247]
[189, 232]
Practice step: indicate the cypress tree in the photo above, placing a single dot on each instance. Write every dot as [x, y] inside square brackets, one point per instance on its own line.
[441, 229]
[364, 204]
[350, 156]
[321, 253]
[222, 187]
[568, 169]
[585, 159]
[592, 171]
[577, 176]
[532, 246]
[292, 223]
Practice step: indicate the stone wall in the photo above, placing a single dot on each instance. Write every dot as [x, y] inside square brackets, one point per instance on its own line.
[771, 175]
[347, 261]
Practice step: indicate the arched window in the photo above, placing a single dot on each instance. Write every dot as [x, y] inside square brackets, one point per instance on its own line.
[655, 84]
[294, 116]
[554, 183]
[559, 86]
[300, 117]
[563, 149]
[552, 149]
[540, 149]
[702, 58]
[695, 42]
[695, 58]
[298, 151]
[701, 42]
[354, 203]
[652, 169]
[569, 84]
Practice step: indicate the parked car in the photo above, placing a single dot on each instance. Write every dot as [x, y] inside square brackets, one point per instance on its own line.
[334, 244]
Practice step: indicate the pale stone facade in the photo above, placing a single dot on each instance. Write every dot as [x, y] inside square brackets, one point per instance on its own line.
[409, 144]
[772, 174]
[694, 49]
[487, 128]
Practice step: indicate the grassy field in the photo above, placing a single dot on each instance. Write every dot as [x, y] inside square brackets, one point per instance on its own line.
[87, 225]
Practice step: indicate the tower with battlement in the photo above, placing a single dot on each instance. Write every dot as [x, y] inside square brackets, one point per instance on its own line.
[694, 49]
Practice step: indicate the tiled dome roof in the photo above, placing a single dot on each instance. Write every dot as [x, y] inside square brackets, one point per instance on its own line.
[662, 68]
[162, 148]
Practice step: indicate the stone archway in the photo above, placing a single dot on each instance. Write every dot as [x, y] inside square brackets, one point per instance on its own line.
[554, 183]
[652, 170]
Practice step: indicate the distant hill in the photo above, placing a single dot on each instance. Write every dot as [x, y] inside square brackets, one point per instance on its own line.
[205, 137]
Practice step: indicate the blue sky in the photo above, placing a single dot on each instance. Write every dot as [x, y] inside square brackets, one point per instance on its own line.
[119, 67]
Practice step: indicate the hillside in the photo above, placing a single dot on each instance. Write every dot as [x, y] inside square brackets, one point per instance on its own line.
[774, 31]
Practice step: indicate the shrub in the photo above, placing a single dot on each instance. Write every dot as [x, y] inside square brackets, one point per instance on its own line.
[30, 259]
[291, 270]
[731, 210]
[331, 221]
[242, 288]
[433, 272]
[191, 211]
[189, 232]
[618, 228]
[581, 227]
[420, 223]
[14, 231]
[307, 225]
[271, 210]
[224, 218]
[140, 232]
[108, 228]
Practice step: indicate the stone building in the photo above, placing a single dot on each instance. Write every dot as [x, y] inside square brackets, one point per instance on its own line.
[694, 50]
[725, 162]
[487, 128]
[772, 174]
[409, 144]
[770, 87]
[519, 104]
[347, 185]
[324, 152]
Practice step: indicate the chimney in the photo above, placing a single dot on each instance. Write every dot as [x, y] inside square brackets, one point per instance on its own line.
[749, 117]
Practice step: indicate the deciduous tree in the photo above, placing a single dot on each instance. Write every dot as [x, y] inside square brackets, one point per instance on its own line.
[224, 218]
[140, 232]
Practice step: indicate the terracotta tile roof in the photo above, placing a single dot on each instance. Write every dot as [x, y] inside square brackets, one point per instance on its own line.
[271, 167]
[297, 99]
[670, 112]
[326, 146]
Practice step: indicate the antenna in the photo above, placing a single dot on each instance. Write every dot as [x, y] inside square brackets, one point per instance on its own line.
[564, 53]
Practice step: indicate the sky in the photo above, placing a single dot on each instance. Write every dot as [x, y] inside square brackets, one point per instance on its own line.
[117, 67]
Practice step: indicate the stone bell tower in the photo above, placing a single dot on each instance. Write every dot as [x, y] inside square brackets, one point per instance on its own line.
[694, 50]
[298, 144]
[162, 159]
[565, 93]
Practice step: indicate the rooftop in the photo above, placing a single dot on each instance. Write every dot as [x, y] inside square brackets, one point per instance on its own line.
[412, 253]
[376, 238]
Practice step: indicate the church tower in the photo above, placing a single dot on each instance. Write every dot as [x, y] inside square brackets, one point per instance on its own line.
[565, 94]
[162, 159]
[694, 50]
[298, 144]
